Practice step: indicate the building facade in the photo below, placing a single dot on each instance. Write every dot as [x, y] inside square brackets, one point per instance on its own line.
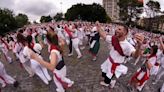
[112, 9]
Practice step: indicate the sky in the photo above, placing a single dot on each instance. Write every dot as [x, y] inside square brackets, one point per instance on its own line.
[34, 9]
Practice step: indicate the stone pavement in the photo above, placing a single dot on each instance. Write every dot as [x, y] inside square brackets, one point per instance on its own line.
[85, 72]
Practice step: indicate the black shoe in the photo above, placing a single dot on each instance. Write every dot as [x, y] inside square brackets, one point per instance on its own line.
[159, 90]
[16, 84]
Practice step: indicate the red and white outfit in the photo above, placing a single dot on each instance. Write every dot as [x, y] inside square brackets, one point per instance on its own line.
[60, 74]
[140, 78]
[5, 48]
[38, 69]
[113, 65]
[4, 77]
[155, 65]
[24, 57]
[75, 43]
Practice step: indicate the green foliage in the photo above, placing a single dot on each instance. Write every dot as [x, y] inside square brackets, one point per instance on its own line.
[154, 9]
[84, 12]
[45, 19]
[7, 21]
[58, 17]
[154, 6]
[130, 9]
[21, 20]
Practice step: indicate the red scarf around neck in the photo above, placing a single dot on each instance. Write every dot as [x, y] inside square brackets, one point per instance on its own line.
[68, 31]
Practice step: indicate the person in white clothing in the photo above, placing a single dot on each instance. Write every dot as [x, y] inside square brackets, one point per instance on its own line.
[24, 59]
[56, 64]
[5, 49]
[5, 78]
[113, 67]
[38, 69]
[75, 40]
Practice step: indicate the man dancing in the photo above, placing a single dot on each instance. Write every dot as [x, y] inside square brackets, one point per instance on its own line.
[113, 67]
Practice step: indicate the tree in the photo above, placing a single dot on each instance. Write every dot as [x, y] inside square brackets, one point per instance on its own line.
[45, 19]
[152, 11]
[7, 21]
[130, 10]
[58, 17]
[84, 12]
[21, 20]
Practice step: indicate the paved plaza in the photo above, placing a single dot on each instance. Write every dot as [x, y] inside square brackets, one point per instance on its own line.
[85, 72]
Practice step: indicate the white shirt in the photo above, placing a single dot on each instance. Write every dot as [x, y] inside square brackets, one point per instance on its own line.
[126, 47]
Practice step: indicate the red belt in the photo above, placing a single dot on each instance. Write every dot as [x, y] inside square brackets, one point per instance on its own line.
[114, 65]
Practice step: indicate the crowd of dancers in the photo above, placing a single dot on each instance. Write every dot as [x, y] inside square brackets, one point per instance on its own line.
[124, 44]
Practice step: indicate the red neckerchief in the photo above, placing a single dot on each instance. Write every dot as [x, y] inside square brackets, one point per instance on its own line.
[68, 31]
[54, 47]
[151, 56]
[31, 45]
[116, 45]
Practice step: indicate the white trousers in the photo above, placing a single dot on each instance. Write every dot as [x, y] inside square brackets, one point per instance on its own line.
[26, 64]
[40, 71]
[4, 77]
[75, 44]
[62, 75]
[162, 89]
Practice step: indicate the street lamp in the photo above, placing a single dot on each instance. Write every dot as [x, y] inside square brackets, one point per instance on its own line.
[61, 6]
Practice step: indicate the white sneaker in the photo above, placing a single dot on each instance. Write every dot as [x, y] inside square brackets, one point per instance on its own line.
[70, 54]
[113, 82]
[78, 57]
[49, 79]
[70, 84]
[94, 59]
[31, 75]
[155, 82]
[3, 85]
[58, 90]
[104, 84]
[82, 48]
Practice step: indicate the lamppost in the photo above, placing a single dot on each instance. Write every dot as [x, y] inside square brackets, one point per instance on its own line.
[61, 6]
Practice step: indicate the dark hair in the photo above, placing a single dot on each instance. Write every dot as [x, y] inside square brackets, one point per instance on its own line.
[53, 39]
[155, 49]
[21, 38]
[58, 26]
[11, 39]
[51, 28]
[125, 27]
[29, 41]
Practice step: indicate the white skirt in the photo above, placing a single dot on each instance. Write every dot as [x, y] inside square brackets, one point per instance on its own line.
[106, 68]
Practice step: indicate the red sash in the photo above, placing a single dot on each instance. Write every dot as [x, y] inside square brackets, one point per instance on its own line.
[116, 45]
[3, 79]
[114, 65]
[144, 78]
[64, 84]
[5, 44]
[68, 31]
